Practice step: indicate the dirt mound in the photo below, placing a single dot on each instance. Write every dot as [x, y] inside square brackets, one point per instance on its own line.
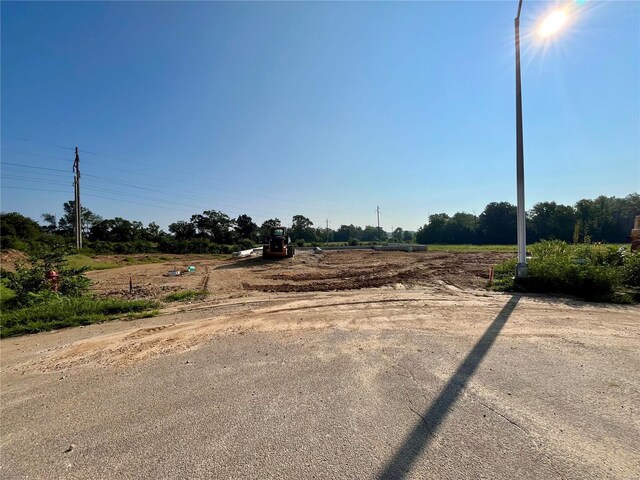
[9, 258]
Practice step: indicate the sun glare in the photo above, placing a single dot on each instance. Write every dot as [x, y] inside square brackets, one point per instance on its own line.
[554, 22]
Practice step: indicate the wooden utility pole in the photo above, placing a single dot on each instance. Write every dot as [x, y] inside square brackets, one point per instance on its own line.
[378, 212]
[327, 231]
[76, 187]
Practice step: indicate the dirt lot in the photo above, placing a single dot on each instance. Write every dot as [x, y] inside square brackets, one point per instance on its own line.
[293, 369]
[306, 272]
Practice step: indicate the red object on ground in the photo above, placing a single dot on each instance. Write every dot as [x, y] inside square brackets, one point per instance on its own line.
[53, 278]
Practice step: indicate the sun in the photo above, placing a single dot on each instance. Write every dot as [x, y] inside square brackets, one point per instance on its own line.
[554, 22]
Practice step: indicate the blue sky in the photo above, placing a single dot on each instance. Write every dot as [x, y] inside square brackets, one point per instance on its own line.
[320, 109]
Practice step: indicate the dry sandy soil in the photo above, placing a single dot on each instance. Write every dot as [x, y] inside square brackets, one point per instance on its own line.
[355, 364]
[306, 272]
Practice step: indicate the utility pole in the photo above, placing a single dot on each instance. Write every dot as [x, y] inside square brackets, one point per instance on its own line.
[76, 188]
[378, 213]
[327, 231]
[521, 268]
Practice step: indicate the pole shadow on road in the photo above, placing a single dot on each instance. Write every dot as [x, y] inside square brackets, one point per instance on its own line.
[422, 434]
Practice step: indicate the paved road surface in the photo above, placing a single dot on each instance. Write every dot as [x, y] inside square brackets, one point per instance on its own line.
[381, 384]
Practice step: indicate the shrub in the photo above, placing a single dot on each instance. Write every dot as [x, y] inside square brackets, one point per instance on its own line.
[584, 270]
[590, 271]
[630, 274]
[245, 244]
[29, 283]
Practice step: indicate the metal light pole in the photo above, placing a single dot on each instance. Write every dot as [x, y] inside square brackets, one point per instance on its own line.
[521, 268]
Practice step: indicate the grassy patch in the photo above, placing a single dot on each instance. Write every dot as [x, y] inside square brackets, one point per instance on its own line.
[473, 248]
[63, 312]
[79, 261]
[591, 271]
[6, 293]
[186, 295]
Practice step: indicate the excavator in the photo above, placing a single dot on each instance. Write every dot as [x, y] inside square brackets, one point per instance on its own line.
[279, 245]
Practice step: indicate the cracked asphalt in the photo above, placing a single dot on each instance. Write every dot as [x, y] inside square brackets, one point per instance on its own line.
[388, 384]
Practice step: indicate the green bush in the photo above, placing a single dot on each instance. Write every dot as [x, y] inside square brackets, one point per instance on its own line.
[245, 244]
[30, 285]
[590, 271]
[631, 270]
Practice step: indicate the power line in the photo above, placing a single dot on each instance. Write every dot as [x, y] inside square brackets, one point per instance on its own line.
[34, 167]
[154, 165]
[34, 141]
[172, 180]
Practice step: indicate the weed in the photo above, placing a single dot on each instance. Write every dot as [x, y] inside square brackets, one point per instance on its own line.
[186, 295]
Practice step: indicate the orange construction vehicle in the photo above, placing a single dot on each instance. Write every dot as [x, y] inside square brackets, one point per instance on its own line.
[279, 245]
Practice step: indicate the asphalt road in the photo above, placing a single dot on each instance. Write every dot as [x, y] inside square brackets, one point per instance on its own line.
[528, 389]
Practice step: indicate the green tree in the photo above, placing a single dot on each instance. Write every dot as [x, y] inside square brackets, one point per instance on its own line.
[153, 233]
[408, 236]
[68, 220]
[265, 229]
[214, 225]
[348, 232]
[373, 234]
[183, 230]
[497, 223]
[18, 231]
[301, 229]
[462, 228]
[397, 234]
[245, 228]
[435, 230]
[550, 221]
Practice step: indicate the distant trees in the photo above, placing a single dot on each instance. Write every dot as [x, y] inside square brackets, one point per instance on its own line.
[348, 232]
[215, 226]
[550, 221]
[17, 231]
[301, 229]
[245, 228]
[497, 224]
[605, 219]
[66, 224]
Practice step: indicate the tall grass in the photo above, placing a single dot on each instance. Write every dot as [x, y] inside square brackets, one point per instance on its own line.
[591, 271]
[60, 312]
[79, 261]
[186, 295]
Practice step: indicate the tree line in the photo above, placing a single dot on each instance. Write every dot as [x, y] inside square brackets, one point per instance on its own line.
[605, 219]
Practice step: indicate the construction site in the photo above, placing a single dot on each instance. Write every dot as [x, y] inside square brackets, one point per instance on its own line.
[360, 363]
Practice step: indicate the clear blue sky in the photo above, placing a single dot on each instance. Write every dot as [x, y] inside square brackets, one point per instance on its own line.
[320, 109]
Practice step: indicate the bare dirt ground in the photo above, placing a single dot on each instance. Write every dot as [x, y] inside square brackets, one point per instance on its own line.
[355, 364]
[306, 272]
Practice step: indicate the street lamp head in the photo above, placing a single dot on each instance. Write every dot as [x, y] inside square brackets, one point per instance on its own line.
[554, 22]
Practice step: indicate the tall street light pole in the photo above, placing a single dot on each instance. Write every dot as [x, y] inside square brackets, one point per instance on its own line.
[521, 268]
